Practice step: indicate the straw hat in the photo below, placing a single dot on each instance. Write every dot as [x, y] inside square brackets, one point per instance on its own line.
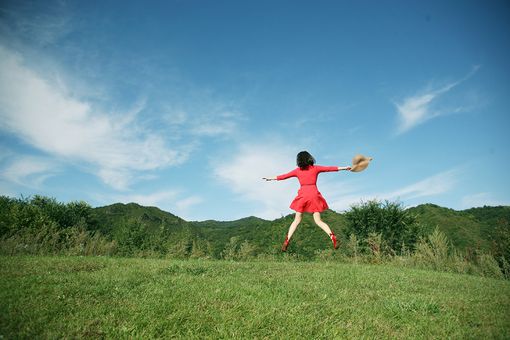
[360, 163]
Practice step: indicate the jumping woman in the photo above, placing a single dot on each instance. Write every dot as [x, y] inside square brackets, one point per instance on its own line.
[308, 199]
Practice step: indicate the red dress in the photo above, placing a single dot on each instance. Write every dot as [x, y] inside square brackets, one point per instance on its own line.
[308, 199]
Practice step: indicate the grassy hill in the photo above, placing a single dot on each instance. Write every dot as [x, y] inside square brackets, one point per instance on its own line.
[105, 297]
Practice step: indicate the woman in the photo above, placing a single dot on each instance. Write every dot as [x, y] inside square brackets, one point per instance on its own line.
[308, 199]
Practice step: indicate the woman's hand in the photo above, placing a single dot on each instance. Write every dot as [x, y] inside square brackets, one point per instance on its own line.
[344, 168]
[269, 178]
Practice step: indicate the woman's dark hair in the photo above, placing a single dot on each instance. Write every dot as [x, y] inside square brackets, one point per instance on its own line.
[304, 159]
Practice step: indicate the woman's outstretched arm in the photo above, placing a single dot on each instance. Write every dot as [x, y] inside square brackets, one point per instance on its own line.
[281, 177]
[321, 168]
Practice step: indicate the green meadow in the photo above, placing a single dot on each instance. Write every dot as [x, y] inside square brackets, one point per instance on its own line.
[108, 297]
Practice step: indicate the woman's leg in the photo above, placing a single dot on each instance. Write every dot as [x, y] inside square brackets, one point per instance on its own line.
[291, 231]
[294, 224]
[325, 227]
[320, 223]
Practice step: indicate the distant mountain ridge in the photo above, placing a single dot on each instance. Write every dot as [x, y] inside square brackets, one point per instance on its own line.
[470, 228]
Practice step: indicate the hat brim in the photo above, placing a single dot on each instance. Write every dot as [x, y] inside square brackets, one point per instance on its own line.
[360, 166]
[360, 163]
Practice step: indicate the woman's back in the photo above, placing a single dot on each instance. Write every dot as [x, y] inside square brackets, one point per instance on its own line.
[309, 175]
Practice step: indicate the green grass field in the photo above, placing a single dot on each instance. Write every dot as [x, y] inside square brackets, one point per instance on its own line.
[75, 297]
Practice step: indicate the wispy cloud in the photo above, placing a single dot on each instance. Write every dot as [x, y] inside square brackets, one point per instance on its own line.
[188, 202]
[242, 173]
[210, 128]
[217, 121]
[47, 117]
[416, 109]
[428, 187]
[174, 201]
[29, 171]
[42, 24]
[157, 199]
[480, 199]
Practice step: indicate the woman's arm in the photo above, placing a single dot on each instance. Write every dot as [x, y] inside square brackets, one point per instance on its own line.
[281, 177]
[321, 168]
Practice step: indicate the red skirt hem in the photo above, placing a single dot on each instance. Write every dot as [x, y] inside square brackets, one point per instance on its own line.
[309, 203]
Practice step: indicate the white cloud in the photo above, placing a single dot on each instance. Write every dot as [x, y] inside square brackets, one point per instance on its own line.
[29, 171]
[175, 118]
[208, 128]
[242, 173]
[172, 200]
[155, 199]
[42, 24]
[188, 202]
[217, 122]
[417, 109]
[47, 117]
[480, 199]
[431, 186]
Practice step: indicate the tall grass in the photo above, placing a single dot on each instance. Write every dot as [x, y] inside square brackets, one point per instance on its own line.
[433, 252]
[51, 240]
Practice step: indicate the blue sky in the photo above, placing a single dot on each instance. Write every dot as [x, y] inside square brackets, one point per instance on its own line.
[185, 105]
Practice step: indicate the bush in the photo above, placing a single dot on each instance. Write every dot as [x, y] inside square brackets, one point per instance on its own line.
[247, 251]
[389, 219]
[432, 252]
[200, 249]
[50, 240]
[489, 267]
[180, 250]
[353, 247]
[501, 244]
[230, 252]
[374, 242]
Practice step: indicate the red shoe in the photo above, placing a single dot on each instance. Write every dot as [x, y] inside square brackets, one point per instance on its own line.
[333, 239]
[285, 243]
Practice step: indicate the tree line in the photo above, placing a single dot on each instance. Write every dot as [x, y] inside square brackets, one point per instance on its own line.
[371, 232]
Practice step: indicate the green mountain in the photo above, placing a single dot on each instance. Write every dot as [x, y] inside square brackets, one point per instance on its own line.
[471, 228]
[110, 216]
[43, 225]
[266, 236]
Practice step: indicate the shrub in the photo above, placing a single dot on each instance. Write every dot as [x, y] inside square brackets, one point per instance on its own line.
[50, 240]
[180, 250]
[246, 251]
[389, 219]
[432, 252]
[353, 247]
[374, 242]
[230, 252]
[199, 249]
[505, 267]
[501, 243]
[489, 267]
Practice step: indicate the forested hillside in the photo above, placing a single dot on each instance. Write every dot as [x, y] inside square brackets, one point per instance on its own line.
[43, 225]
[472, 228]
